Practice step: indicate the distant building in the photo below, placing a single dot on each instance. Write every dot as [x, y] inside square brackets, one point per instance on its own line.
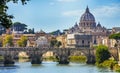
[87, 25]
[116, 29]
[63, 40]
[31, 42]
[42, 39]
[79, 40]
[31, 39]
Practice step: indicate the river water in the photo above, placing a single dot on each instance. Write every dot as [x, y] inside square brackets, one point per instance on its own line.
[53, 67]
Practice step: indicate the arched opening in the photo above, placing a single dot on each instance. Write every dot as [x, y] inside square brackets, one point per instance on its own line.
[1, 58]
[77, 56]
[49, 56]
[23, 56]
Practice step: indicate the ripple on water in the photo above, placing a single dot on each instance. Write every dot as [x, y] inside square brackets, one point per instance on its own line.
[52, 67]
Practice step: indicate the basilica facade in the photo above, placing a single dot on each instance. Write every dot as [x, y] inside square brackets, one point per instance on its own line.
[88, 27]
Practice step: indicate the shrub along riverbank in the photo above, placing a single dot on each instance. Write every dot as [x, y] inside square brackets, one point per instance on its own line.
[51, 58]
[71, 59]
[111, 64]
[103, 58]
[77, 59]
[1, 58]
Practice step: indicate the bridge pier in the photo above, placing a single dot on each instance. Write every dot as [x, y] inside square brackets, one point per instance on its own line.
[8, 60]
[36, 59]
[63, 56]
[91, 59]
[63, 59]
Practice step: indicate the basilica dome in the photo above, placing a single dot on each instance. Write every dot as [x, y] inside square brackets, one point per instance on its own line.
[87, 16]
[87, 21]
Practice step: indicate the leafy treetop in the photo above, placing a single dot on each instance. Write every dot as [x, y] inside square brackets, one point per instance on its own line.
[102, 54]
[115, 36]
[6, 19]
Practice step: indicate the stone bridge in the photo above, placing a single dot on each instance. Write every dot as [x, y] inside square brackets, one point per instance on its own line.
[62, 54]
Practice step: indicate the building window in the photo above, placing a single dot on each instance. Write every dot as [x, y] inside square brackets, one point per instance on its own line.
[103, 30]
[88, 42]
[82, 41]
[95, 42]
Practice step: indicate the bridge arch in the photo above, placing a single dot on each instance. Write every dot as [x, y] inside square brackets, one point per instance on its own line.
[89, 53]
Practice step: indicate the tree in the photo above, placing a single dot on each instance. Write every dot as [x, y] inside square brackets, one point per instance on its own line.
[8, 41]
[22, 42]
[1, 41]
[31, 31]
[21, 26]
[6, 19]
[115, 36]
[58, 44]
[102, 54]
[55, 43]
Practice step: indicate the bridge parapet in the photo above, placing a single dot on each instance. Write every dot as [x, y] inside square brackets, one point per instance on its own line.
[37, 52]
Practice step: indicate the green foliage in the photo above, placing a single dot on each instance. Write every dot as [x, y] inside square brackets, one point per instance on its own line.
[8, 41]
[117, 67]
[58, 44]
[77, 58]
[55, 43]
[57, 32]
[113, 65]
[107, 63]
[22, 42]
[21, 25]
[31, 31]
[6, 19]
[102, 54]
[1, 40]
[115, 36]
[51, 58]
[1, 58]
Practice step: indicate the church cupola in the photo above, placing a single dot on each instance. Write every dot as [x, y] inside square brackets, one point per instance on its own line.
[98, 25]
[87, 20]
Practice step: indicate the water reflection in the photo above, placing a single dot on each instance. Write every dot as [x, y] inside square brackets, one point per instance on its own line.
[23, 60]
[53, 67]
[8, 69]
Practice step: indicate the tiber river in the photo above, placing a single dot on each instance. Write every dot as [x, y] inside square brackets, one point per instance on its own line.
[53, 67]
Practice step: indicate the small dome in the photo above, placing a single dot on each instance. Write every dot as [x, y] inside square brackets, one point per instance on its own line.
[87, 16]
[76, 25]
[99, 25]
[41, 31]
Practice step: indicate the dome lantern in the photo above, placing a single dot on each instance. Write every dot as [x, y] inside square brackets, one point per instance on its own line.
[87, 10]
[87, 16]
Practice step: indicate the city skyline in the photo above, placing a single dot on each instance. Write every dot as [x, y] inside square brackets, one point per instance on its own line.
[63, 14]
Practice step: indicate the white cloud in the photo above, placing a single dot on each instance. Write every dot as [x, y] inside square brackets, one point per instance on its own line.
[107, 11]
[103, 11]
[66, 0]
[73, 13]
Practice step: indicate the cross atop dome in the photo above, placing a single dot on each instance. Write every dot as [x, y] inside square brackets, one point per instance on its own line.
[87, 9]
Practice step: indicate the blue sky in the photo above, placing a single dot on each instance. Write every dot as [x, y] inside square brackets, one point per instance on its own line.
[50, 15]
